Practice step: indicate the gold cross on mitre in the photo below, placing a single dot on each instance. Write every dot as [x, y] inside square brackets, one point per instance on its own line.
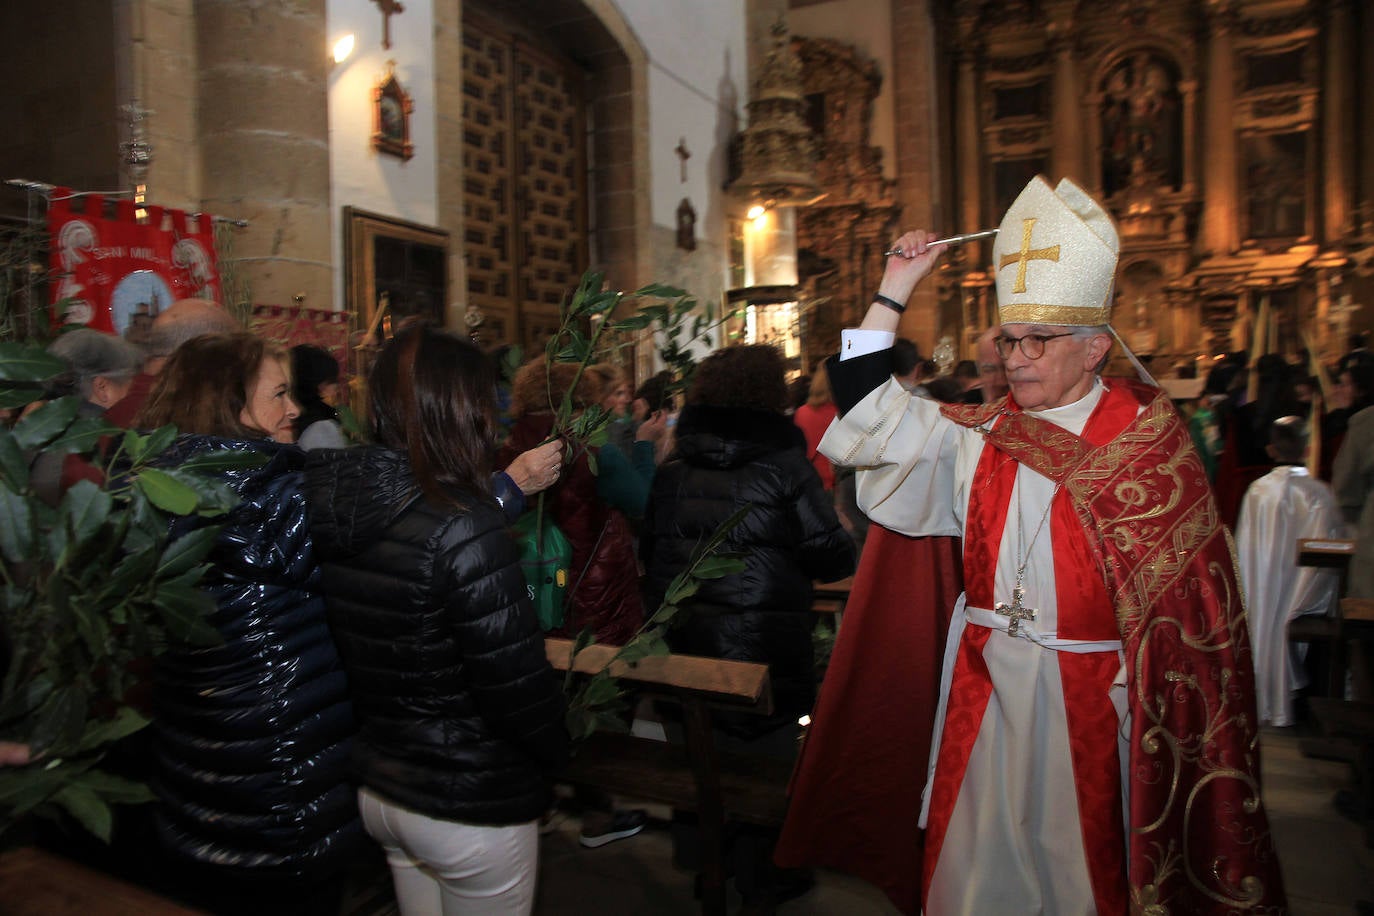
[1015, 612]
[1026, 255]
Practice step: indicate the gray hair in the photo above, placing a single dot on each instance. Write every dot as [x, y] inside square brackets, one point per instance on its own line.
[1086, 332]
[90, 354]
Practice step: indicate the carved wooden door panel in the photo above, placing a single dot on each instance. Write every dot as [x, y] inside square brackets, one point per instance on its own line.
[524, 185]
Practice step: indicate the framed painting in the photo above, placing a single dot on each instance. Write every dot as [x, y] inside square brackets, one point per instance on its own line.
[392, 107]
[400, 264]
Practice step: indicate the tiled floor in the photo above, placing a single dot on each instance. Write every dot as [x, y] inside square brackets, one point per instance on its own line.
[1326, 866]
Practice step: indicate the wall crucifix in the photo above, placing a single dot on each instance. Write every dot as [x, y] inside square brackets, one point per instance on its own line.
[389, 8]
[684, 154]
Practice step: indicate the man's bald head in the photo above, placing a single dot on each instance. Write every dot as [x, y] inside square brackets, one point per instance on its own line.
[181, 321]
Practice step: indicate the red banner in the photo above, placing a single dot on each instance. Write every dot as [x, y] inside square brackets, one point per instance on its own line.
[115, 272]
[288, 325]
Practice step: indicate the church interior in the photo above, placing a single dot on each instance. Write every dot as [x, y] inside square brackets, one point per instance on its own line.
[363, 161]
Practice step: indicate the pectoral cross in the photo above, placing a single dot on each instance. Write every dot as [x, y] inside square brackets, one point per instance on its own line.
[684, 154]
[1015, 612]
[1026, 255]
[388, 8]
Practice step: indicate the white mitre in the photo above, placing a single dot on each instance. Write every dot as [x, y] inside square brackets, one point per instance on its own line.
[1055, 254]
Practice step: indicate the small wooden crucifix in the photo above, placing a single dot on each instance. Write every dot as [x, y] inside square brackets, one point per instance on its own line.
[388, 8]
[684, 154]
[1015, 612]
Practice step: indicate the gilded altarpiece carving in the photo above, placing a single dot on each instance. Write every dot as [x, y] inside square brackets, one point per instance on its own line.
[841, 238]
[1215, 133]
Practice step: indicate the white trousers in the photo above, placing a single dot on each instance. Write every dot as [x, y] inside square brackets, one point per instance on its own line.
[448, 868]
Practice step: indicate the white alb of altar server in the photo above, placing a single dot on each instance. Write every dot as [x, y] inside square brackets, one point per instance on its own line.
[1285, 505]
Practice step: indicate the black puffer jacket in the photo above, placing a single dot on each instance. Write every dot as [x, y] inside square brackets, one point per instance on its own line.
[724, 459]
[252, 737]
[460, 715]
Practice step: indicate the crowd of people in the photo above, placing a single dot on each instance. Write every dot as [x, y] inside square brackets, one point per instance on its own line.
[1040, 552]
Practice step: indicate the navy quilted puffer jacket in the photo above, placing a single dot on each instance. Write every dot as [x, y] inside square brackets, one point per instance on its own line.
[252, 736]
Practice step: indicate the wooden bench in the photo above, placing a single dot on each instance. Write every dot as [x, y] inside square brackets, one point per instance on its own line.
[1325, 630]
[694, 776]
[34, 882]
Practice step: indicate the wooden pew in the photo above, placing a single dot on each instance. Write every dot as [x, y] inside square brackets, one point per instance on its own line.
[34, 882]
[696, 776]
[1328, 631]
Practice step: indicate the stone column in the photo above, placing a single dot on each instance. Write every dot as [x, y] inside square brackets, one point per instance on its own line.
[1220, 233]
[1188, 90]
[969, 149]
[1338, 122]
[1090, 113]
[264, 140]
[1364, 141]
[1066, 156]
[917, 122]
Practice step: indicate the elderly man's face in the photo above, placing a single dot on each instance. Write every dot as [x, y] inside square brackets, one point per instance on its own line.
[1061, 375]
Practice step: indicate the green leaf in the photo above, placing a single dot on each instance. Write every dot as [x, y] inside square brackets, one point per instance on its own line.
[115, 790]
[60, 720]
[16, 526]
[633, 323]
[664, 614]
[224, 460]
[19, 395]
[81, 436]
[26, 363]
[167, 492]
[156, 442]
[187, 551]
[133, 568]
[14, 469]
[46, 422]
[103, 731]
[660, 291]
[213, 496]
[601, 688]
[184, 609]
[87, 807]
[28, 697]
[718, 566]
[84, 509]
[680, 591]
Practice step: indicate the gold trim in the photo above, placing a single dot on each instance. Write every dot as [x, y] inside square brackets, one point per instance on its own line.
[1066, 315]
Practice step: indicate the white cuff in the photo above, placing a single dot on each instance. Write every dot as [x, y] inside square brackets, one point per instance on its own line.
[858, 342]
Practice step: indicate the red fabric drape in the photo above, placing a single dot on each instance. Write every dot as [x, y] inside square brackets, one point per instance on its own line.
[856, 793]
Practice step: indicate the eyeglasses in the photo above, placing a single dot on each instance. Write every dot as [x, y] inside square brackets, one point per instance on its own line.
[1032, 345]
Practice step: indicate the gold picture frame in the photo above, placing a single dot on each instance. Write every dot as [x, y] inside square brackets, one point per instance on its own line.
[403, 263]
[392, 107]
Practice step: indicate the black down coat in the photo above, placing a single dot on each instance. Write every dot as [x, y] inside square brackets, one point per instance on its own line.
[252, 737]
[726, 458]
[460, 716]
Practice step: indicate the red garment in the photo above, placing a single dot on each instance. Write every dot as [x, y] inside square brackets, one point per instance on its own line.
[121, 414]
[603, 594]
[1199, 839]
[856, 794]
[814, 421]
